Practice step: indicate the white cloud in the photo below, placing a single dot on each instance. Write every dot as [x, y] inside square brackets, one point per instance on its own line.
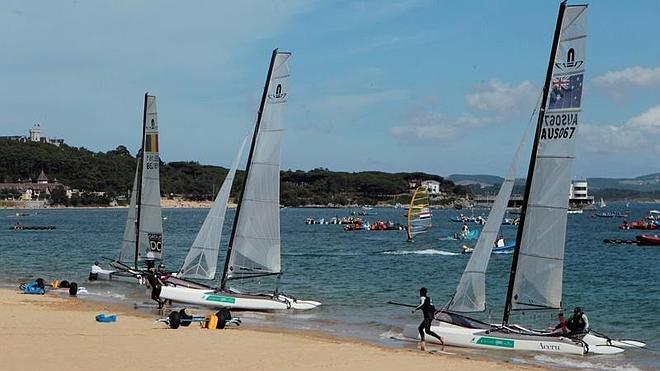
[497, 96]
[630, 77]
[434, 126]
[640, 133]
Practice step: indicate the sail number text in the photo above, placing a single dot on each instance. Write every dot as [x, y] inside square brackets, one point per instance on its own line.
[559, 126]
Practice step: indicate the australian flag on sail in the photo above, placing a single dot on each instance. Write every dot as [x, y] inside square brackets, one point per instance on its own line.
[566, 92]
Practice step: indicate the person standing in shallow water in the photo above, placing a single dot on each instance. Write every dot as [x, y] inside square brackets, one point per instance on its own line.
[429, 313]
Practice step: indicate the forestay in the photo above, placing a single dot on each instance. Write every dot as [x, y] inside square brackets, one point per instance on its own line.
[202, 259]
[470, 295]
[256, 242]
[150, 223]
[538, 274]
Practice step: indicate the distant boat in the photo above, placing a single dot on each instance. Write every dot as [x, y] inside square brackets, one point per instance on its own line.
[419, 213]
[602, 203]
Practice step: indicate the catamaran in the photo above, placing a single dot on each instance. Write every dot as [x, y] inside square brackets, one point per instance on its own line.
[143, 233]
[535, 281]
[419, 213]
[253, 251]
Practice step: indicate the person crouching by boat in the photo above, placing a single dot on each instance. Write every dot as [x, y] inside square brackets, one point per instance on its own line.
[579, 323]
[429, 313]
[562, 328]
[94, 271]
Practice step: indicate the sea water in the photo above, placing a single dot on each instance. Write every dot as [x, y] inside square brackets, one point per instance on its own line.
[354, 274]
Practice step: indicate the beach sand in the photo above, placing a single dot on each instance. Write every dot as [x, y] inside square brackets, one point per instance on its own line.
[53, 333]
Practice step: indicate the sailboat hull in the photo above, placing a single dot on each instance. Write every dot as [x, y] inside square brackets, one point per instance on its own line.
[464, 337]
[211, 299]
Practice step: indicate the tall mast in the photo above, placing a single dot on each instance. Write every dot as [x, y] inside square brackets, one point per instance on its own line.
[532, 163]
[230, 245]
[138, 198]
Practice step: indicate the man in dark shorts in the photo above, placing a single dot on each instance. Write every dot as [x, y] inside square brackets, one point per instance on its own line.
[429, 313]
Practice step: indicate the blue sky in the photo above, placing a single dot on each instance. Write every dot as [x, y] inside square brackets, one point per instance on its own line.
[437, 86]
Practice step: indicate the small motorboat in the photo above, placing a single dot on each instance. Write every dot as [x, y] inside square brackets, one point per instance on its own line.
[639, 224]
[605, 215]
[648, 240]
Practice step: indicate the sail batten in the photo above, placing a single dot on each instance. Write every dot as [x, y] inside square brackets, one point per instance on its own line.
[254, 247]
[537, 274]
[202, 259]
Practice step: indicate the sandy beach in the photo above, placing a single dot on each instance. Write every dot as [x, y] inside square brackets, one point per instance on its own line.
[49, 332]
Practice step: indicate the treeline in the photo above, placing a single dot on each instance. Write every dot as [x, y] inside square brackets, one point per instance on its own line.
[112, 172]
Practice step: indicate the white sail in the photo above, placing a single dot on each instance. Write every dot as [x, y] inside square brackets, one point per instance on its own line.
[150, 223]
[202, 259]
[127, 252]
[538, 275]
[470, 295]
[256, 244]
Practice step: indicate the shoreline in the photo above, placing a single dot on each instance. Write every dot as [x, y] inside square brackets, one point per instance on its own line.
[69, 334]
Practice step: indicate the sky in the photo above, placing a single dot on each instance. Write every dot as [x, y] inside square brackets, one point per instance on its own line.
[437, 86]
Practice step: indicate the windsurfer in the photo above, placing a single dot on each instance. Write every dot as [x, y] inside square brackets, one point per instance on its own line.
[429, 313]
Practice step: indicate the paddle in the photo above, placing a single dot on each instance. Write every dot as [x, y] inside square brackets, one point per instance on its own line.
[402, 304]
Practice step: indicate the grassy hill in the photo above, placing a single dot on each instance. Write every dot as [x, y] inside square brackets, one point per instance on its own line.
[113, 172]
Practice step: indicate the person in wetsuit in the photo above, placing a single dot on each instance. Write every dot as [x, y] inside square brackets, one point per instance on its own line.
[429, 313]
[153, 280]
[562, 326]
[579, 323]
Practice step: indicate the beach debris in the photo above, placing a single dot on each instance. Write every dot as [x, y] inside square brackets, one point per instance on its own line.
[103, 318]
[215, 321]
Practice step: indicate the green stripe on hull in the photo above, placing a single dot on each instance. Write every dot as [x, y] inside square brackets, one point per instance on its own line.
[502, 343]
[220, 299]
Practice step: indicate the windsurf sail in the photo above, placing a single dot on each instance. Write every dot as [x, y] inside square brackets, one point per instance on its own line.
[150, 222]
[202, 258]
[419, 213]
[538, 259]
[254, 245]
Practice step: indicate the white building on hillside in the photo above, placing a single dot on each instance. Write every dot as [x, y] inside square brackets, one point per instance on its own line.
[432, 186]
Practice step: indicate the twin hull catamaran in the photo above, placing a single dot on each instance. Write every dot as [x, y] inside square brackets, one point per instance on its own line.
[143, 233]
[253, 250]
[535, 281]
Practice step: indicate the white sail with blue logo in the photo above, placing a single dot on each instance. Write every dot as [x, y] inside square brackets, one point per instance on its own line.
[202, 259]
[150, 222]
[254, 249]
[540, 262]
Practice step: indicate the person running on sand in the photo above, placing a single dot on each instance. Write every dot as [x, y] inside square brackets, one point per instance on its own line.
[429, 313]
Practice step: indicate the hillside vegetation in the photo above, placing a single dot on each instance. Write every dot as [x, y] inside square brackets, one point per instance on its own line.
[112, 172]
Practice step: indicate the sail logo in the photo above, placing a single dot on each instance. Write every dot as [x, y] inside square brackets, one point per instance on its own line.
[543, 346]
[571, 63]
[495, 342]
[278, 96]
[155, 242]
[566, 92]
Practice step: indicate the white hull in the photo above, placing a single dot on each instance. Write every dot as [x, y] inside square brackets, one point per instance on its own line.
[212, 299]
[481, 339]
